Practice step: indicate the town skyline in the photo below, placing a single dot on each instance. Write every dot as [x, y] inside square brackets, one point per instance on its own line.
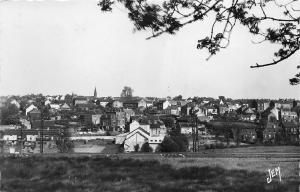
[80, 47]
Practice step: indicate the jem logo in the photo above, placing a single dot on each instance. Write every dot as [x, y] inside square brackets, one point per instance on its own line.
[273, 173]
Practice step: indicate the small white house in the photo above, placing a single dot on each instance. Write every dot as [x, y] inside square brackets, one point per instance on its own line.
[137, 137]
[10, 137]
[31, 137]
[30, 108]
[55, 106]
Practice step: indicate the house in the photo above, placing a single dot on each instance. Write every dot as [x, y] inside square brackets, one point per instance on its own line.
[211, 110]
[34, 114]
[5, 127]
[26, 123]
[80, 100]
[47, 102]
[54, 106]
[94, 119]
[128, 113]
[164, 104]
[117, 104]
[103, 102]
[109, 121]
[149, 103]
[120, 117]
[158, 129]
[232, 107]
[136, 137]
[85, 107]
[200, 111]
[65, 107]
[136, 124]
[29, 108]
[120, 139]
[172, 110]
[186, 109]
[186, 128]
[3, 101]
[271, 132]
[155, 141]
[291, 130]
[47, 124]
[288, 116]
[247, 117]
[248, 135]
[262, 106]
[31, 135]
[134, 103]
[153, 133]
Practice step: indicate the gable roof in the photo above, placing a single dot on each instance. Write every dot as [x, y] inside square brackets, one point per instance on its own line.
[140, 131]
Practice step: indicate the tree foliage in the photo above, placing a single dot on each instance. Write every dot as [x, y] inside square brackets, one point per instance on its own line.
[65, 145]
[127, 92]
[10, 115]
[146, 147]
[269, 20]
[168, 145]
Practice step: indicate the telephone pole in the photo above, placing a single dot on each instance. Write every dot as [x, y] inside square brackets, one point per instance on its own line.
[42, 130]
[195, 132]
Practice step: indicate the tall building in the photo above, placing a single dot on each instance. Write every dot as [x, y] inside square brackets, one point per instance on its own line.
[95, 92]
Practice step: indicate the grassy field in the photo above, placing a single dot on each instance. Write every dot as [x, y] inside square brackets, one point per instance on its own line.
[42, 174]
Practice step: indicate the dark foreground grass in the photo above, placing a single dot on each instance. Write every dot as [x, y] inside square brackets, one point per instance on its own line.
[85, 174]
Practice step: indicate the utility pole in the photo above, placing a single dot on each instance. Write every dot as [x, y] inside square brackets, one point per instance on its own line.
[42, 130]
[21, 139]
[195, 132]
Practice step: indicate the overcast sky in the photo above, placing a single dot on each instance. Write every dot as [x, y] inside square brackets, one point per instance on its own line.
[53, 47]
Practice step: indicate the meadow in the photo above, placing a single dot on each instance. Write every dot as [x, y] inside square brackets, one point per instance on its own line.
[99, 173]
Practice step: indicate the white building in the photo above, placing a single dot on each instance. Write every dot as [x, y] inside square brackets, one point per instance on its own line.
[30, 108]
[141, 133]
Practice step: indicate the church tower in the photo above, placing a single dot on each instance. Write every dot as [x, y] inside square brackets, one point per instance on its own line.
[95, 92]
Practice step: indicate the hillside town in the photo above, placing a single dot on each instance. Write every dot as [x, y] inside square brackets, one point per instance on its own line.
[93, 124]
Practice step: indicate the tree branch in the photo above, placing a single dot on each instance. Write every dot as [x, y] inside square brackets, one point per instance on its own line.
[276, 62]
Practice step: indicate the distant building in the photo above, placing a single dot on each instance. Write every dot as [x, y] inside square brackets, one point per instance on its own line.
[29, 108]
[34, 114]
[80, 100]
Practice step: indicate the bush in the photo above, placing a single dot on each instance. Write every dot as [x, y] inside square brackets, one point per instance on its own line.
[182, 142]
[136, 148]
[168, 145]
[220, 146]
[146, 147]
[65, 146]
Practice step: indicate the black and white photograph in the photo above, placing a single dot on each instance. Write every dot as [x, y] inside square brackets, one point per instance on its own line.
[149, 96]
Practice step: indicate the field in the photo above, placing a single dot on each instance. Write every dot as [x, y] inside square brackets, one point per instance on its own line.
[138, 172]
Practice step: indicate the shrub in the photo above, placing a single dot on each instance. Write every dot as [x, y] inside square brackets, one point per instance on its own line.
[65, 146]
[146, 147]
[220, 146]
[212, 146]
[168, 145]
[207, 146]
[136, 148]
[182, 142]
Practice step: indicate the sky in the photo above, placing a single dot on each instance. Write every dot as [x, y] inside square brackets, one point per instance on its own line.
[59, 47]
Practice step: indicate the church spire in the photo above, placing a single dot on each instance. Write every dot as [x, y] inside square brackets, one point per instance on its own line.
[95, 92]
